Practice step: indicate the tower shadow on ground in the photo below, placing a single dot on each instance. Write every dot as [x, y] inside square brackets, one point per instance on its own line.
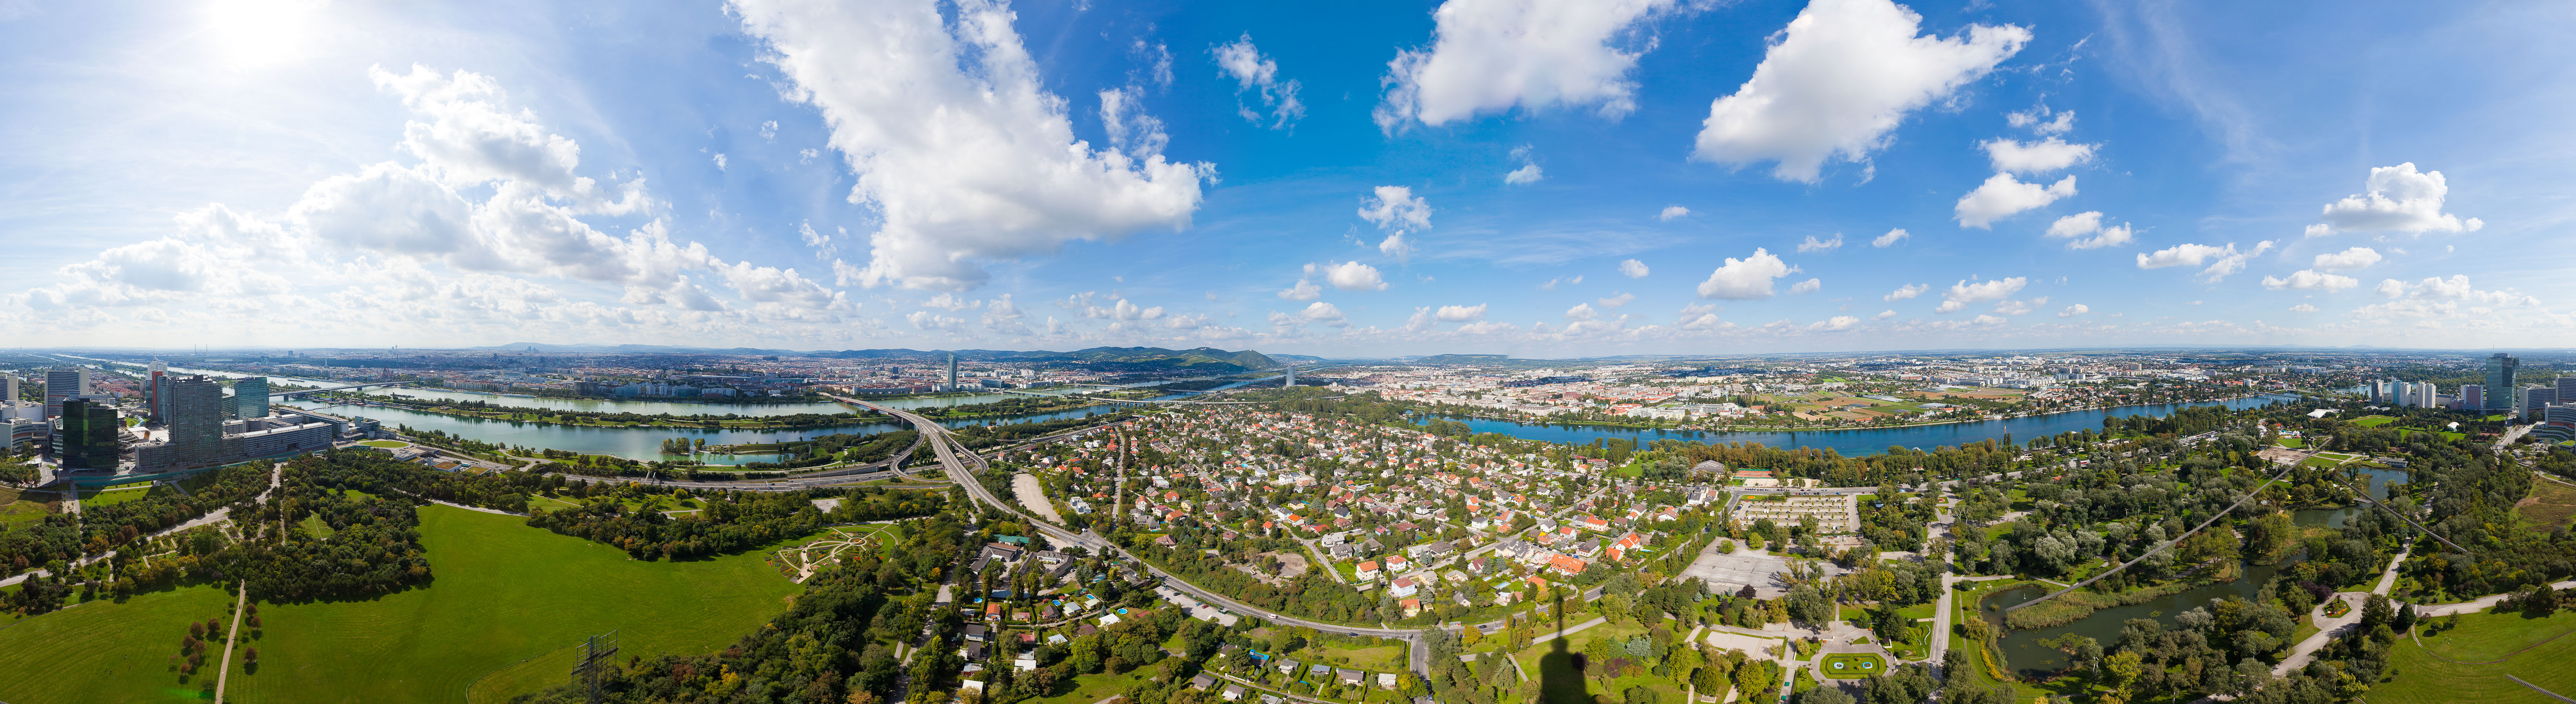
[1560, 671]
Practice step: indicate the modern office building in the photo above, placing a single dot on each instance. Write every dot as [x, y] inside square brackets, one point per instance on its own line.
[200, 436]
[85, 435]
[62, 383]
[952, 372]
[2500, 370]
[8, 387]
[2472, 396]
[152, 390]
[250, 398]
[196, 421]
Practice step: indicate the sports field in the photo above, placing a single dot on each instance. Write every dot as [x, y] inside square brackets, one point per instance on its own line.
[506, 604]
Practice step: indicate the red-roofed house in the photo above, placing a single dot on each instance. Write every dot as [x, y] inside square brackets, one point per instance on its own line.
[1567, 565]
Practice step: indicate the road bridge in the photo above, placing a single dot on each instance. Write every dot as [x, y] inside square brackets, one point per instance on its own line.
[301, 392]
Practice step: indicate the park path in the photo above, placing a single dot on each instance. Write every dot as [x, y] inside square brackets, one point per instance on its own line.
[2471, 607]
[224, 671]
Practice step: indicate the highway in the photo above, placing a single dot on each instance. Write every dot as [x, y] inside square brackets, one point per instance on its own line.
[954, 459]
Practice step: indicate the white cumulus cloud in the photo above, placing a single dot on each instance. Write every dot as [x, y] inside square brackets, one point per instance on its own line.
[1462, 314]
[2038, 157]
[2307, 280]
[2002, 196]
[1494, 55]
[1905, 292]
[1890, 239]
[954, 140]
[2347, 260]
[1839, 322]
[2221, 260]
[1807, 286]
[1395, 207]
[2089, 223]
[1815, 245]
[1526, 174]
[1632, 268]
[1838, 79]
[1354, 276]
[2074, 310]
[1745, 279]
[2396, 199]
[1670, 212]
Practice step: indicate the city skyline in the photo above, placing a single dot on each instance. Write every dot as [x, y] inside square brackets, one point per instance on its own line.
[1374, 180]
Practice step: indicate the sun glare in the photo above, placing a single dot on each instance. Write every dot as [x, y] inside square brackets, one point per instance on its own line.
[256, 33]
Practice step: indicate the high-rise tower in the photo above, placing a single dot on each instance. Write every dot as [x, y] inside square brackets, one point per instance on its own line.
[2500, 370]
[196, 421]
[250, 397]
[1291, 381]
[152, 389]
[952, 371]
[86, 438]
[63, 383]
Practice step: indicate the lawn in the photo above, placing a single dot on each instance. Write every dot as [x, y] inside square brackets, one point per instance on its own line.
[1384, 658]
[111, 497]
[499, 619]
[387, 444]
[15, 507]
[2483, 637]
[1852, 665]
[1553, 662]
[1092, 688]
[2292, 443]
[2373, 421]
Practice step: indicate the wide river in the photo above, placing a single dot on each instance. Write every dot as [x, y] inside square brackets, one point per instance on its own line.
[637, 443]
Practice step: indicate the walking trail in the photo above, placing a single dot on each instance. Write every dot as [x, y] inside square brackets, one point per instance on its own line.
[224, 671]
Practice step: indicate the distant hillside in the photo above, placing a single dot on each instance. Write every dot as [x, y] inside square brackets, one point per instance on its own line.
[1464, 359]
[1106, 359]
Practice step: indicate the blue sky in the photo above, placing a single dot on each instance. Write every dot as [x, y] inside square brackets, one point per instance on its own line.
[1540, 178]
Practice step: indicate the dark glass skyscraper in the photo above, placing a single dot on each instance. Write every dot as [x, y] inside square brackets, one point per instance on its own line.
[86, 438]
[2499, 384]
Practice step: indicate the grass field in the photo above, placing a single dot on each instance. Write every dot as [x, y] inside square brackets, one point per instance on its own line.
[2550, 505]
[507, 603]
[2482, 637]
[1093, 688]
[111, 497]
[2373, 421]
[2293, 443]
[1552, 662]
[387, 444]
[1852, 665]
[108, 652]
[16, 507]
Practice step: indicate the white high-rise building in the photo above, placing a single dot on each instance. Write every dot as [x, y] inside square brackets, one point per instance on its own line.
[62, 383]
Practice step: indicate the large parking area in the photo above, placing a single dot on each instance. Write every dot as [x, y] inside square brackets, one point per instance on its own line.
[1728, 573]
